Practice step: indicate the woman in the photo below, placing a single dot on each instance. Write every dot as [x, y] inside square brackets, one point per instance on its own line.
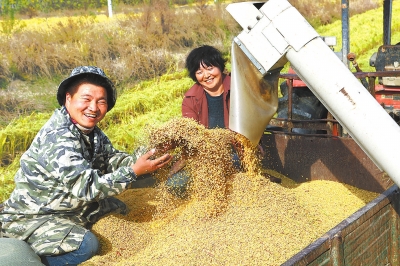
[207, 102]
[69, 175]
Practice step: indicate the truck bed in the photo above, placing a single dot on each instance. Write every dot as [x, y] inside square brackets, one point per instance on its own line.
[370, 236]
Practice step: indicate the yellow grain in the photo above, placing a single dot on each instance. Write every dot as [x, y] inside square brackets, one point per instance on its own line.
[229, 218]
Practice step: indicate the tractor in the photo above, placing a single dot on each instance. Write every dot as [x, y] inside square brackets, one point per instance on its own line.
[386, 89]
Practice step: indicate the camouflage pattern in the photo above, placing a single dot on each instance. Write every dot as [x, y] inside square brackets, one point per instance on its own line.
[65, 182]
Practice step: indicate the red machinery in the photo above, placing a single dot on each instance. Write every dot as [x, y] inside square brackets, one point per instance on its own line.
[301, 105]
[304, 131]
[387, 91]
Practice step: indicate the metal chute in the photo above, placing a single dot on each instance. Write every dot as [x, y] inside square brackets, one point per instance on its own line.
[253, 95]
[273, 33]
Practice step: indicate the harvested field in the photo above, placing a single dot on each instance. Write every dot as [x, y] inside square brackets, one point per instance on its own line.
[260, 223]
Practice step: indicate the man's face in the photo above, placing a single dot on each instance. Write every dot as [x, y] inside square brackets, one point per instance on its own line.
[87, 105]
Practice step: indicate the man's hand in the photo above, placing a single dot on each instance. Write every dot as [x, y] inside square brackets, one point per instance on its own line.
[146, 165]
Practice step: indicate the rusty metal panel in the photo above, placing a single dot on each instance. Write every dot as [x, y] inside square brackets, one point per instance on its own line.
[322, 260]
[306, 158]
[369, 242]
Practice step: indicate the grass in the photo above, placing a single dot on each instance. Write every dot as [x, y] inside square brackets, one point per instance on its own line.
[151, 100]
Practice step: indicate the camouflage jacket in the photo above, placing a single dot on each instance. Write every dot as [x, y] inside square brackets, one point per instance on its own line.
[63, 182]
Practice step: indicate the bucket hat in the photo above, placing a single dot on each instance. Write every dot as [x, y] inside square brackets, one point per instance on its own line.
[81, 71]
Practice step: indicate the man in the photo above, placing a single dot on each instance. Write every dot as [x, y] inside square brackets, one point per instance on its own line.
[70, 173]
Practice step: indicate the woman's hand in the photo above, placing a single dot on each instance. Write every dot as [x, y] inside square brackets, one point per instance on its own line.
[177, 166]
[146, 165]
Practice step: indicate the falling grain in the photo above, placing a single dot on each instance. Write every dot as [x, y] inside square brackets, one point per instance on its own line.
[230, 217]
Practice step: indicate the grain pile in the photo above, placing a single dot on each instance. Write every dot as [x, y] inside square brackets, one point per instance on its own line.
[208, 157]
[240, 218]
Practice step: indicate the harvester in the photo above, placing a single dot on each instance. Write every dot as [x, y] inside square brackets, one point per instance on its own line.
[347, 129]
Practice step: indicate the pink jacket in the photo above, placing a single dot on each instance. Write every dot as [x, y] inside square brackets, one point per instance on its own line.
[194, 105]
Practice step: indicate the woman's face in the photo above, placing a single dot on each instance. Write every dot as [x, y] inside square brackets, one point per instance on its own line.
[210, 77]
[87, 105]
